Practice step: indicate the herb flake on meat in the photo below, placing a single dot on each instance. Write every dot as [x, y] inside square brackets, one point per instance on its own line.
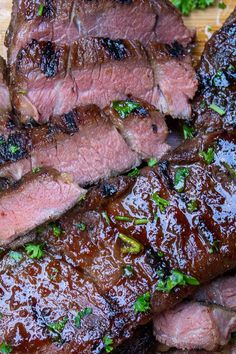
[124, 108]
[142, 304]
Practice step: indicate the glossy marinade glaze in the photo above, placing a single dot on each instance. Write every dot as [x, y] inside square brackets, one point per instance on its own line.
[126, 258]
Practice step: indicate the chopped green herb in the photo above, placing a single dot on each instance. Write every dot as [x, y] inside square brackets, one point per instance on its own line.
[56, 229]
[134, 173]
[81, 314]
[17, 256]
[35, 250]
[133, 246]
[40, 230]
[54, 271]
[40, 10]
[123, 218]
[222, 5]
[128, 271]
[81, 226]
[106, 217]
[124, 108]
[108, 344]
[142, 304]
[57, 327]
[176, 278]
[209, 28]
[13, 149]
[230, 169]
[2, 141]
[214, 247]
[220, 80]
[1, 315]
[36, 169]
[208, 156]
[22, 92]
[180, 178]
[188, 131]
[160, 202]
[192, 206]
[152, 162]
[217, 109]
[160, 254]
[143, 221]
[187, 6]
[5, 348]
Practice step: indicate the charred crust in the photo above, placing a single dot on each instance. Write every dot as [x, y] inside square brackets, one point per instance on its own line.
[49, 60]
[108, 190]
[154, 128]
[175, 49]
[143, 112]
[164, 171]
[157, 262]
[48, 10]
[115, 48]
[125, 2]
[14, 148]
[69, 120]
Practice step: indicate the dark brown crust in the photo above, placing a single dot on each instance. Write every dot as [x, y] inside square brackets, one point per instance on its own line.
[184, 237]
[218, 58]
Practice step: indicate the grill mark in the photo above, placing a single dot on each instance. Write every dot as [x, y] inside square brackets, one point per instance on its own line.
[108, 190]
[49, 61]
[115, 48]
[70, 122]
[175, 49]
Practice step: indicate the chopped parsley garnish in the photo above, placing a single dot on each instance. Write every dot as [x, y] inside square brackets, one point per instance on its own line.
[132, 245]
[81, 314]
[106, 217]
[128, 271]
[81, 226]
[5, 348]
[124, 108]
[187, 6]
[142, 304]
[188, 131]
[160, 202]
[176, 278]
[160, 254]
[209, 28]
[56, 229]
[230, 169]
[134, 173]
[217, 109]
[13, 149]
[192, 206]
[222, 5]
[180, 178]
[140, 221]
[57, 327]
[40, 10]
[220, 79]
[55, 271]
[36, 169]
[108, 344]
[22, 92]
[17, 256]
[35, 250]
[152, 162]
[214, 247]
[208, 156]
[1, 315]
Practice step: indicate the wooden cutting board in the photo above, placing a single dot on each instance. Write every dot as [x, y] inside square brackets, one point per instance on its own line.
[199, 20]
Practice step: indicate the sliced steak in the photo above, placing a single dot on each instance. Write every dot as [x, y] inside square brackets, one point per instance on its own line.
[52, 79]
[5, 104]
[40, 196]
[195, 326]
[66, 22]
[128, 240]
[87, 145]
[215, 103]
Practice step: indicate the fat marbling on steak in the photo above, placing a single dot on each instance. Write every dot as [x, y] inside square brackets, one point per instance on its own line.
[127, 237]
[66, 22]
[215, 103]
[50, 79]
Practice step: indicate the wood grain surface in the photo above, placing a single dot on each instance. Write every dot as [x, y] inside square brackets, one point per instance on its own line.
[199, 20]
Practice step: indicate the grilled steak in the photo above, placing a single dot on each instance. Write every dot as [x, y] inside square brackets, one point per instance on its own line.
[215, 104]
[5, 104]
[201, 325]
[66, 22]
[86, 144]
[40, 196]
[52, 79]
[129, 237]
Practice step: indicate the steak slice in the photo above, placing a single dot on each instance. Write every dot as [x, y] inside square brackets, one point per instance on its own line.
[51, 79]
[162, 234]
[5, 104]
[65, 23]
[87, 145]
[195, 326]
[215, 103]
[39, 197]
